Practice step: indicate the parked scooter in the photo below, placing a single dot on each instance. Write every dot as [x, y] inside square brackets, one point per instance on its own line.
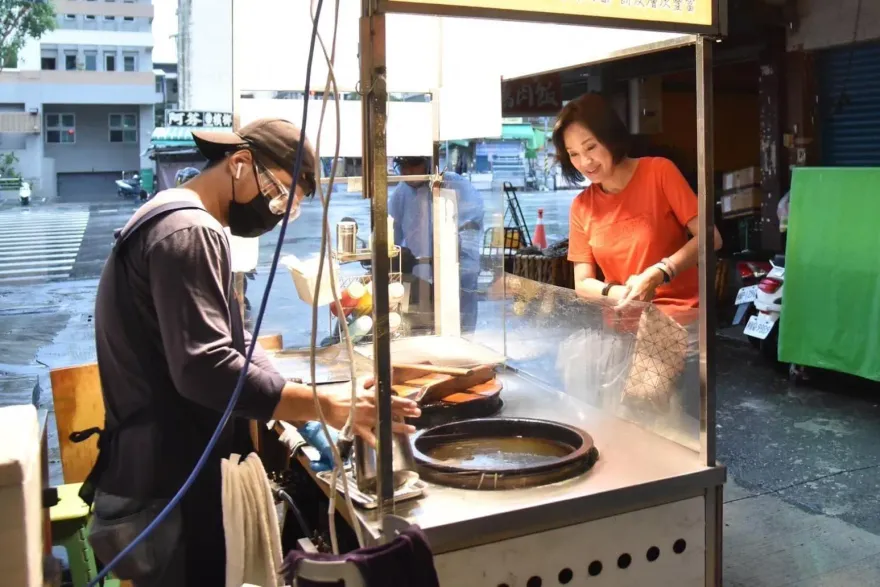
[763, 328]
[750, 275]
[131, 188]
[24, 194]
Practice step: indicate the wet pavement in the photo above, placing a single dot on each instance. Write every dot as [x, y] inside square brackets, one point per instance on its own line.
[802, 506]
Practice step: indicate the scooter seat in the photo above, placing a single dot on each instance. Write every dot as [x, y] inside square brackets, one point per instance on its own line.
[779, 260]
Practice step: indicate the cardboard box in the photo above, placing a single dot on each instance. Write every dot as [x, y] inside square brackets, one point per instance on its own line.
[21, 497]
[744, 178]
[741, 203]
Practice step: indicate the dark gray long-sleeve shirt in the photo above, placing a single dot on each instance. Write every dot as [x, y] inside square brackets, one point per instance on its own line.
[164, 334]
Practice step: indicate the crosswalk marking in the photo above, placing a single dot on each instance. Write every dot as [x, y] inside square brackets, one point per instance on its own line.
[57, 254]
[43, 239]
[40, 245]
[29, 231]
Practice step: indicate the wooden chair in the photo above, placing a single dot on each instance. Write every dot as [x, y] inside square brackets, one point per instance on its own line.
[76, 393]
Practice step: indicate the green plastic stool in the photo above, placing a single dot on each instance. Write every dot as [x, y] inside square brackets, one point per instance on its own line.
[70, 519]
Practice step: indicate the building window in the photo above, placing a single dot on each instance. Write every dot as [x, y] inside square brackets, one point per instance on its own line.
[109, 18]
[123, 128]
[60, 128]
[128, 18]
[109, 61]
[70, 61]
[91, 61]
[69, 17]
[47, 63]
[90, 17]
[129, 62]
[158, 85]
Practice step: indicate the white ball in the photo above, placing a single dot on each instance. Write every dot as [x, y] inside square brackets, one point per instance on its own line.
[395, 291]
[362, 326]
[393, 321]
[356, 290]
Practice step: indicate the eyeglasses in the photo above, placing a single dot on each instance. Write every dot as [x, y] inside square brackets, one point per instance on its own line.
[277, 193]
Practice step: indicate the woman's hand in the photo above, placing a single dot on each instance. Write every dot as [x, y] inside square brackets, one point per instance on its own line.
[642, 286]
[336, 407]
[618, 292]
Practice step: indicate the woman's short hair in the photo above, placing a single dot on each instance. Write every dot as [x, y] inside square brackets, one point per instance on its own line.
[596, 114]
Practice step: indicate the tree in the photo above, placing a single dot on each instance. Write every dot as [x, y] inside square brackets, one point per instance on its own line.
[22, 20]
[7, 165]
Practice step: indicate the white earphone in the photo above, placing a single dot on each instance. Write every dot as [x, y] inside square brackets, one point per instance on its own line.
[238, 171]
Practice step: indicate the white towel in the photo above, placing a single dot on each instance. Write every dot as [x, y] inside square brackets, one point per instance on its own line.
[253, 538]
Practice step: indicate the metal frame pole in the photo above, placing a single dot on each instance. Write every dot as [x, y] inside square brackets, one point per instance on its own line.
[706, 247]
[372, 46]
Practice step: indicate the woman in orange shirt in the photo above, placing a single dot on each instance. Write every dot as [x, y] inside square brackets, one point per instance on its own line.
[634, 221]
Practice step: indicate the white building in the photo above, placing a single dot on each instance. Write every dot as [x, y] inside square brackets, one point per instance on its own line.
[77, 110]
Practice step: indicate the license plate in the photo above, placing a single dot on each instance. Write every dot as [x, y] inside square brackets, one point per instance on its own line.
[746, 295]
[760, 326]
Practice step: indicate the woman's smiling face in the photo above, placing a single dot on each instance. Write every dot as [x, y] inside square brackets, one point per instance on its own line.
[587, 154]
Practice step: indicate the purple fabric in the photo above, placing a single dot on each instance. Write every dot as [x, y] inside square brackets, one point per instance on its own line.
[406, 561]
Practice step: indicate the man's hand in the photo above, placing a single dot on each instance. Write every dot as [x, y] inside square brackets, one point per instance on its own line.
[336, 407]
[642, 287]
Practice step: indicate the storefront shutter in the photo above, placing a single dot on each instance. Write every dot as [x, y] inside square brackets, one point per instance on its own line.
[849, 105]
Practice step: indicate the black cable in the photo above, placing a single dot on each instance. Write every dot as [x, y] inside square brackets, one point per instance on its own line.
[297, 167]
[300, 520]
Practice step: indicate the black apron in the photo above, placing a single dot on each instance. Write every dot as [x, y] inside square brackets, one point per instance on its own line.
[201, 507]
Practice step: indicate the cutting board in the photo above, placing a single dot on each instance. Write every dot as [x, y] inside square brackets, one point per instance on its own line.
[431, 387]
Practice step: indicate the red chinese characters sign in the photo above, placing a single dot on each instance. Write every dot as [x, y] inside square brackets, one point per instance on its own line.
[539, 95]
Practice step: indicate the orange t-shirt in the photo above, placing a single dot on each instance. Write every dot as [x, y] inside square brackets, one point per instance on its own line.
[627, 232]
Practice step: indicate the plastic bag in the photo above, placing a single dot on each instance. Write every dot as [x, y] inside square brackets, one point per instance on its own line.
[782, 211]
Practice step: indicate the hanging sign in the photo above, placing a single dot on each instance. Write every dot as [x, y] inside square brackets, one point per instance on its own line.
[198, 118]
[538, 95]
[692, 15]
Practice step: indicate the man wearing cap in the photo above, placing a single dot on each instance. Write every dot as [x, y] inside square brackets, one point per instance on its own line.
[410, 206]
[171, 347]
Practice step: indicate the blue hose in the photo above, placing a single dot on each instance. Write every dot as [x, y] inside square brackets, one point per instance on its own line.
[250, 352]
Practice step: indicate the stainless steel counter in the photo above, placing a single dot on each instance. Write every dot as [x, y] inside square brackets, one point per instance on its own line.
[636, 469]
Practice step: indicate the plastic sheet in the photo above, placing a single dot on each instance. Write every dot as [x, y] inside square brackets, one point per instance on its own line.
[831, 304]
[640, 364]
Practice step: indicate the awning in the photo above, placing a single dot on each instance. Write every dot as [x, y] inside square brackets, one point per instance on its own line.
[517, 132]
[177, 136]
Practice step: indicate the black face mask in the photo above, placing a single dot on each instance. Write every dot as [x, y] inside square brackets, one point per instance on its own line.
[252, 219]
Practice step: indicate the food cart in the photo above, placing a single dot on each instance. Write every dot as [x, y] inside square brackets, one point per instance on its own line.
[618, 482]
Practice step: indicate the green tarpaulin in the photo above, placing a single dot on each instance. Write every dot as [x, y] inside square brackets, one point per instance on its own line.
[831, 300]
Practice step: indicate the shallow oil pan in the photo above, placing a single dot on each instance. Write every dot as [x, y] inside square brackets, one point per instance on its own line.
[503, 470]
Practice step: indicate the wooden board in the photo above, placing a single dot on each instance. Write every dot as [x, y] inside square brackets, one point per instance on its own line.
[79, 405]
[271, 342]
[432, 387]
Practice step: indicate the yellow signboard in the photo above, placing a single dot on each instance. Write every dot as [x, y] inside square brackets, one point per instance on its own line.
[689, 13]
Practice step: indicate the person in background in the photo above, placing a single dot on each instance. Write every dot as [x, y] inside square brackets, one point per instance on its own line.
[184, 175]
[637, 221]
[410, 206]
